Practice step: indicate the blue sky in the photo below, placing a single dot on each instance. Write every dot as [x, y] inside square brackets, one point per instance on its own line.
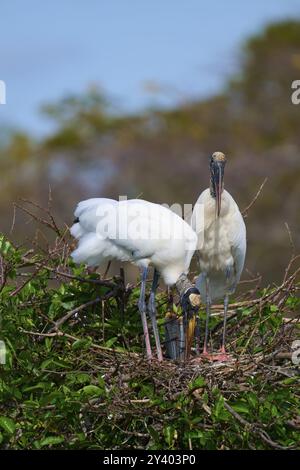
[49, 49]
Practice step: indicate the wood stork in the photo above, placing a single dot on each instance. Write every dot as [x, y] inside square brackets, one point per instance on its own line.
[145, 234]
[222, 249]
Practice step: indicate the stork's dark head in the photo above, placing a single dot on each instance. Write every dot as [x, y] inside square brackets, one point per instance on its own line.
[217, 166]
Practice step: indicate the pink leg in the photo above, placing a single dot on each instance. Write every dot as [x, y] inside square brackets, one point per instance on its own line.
[152, 312]
[222, 356]
[142, 309]
[205, 354]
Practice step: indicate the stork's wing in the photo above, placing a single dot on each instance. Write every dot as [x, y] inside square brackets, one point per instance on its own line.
[145, 228]
[88, 213]
[237, 238]
[139, 227]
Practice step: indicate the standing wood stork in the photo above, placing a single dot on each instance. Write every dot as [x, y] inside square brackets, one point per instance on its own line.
[145, 234]
[222, 254]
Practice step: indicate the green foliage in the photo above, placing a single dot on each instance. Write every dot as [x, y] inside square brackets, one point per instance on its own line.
[86, 388]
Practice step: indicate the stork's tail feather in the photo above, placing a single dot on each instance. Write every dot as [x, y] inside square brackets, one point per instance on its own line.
[75, 221]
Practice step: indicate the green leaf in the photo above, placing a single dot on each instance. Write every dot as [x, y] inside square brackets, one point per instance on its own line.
[101, 381]
[197, 383]
[7, 424]
[82, 378]
[219, 406]
[81, 344]
[92, 390]
[169, 434]
[68, 305]
[110, 342]
[241, 407]
[51, 440]
[252, 399]
[153, 433]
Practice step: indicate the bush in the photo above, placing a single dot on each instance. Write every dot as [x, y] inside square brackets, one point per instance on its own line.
[75, 376]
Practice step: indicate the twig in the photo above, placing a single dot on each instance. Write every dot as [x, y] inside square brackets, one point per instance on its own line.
[13, 220]
[101, 282]
[74, 338]
[18, 289]
[245, 211]
[255, 429]
[68, 315]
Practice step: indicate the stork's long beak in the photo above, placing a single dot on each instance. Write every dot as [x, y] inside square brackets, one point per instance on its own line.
[218, 178]
[191, 307]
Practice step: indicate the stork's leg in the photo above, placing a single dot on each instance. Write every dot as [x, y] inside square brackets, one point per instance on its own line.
[226, 299]
[197, 334]
[208, 306]
[182, 338]
[152, 312]
[223, 356]
[142, 309]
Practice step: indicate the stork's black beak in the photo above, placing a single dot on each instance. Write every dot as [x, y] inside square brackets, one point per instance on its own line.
[217, 173]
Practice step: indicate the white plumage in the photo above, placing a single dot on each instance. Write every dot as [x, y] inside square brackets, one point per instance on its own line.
[133, 230]
[222, 249]
[222, 254]
[138, 231]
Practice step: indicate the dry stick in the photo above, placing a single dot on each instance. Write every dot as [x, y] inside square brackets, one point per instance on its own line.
[68, 315]
[257, 324]
[249, 303]
[74, 338]
[107, 269]
[52, 224]
[286, 284]
[3, 273]
[245, 211]
[253, 427]
[248, 281]
[284, 355]
[290, 237]
[13, 220]
[287, 270]
[35, 217]
[39, 267]
[48, 211]
[101, 282]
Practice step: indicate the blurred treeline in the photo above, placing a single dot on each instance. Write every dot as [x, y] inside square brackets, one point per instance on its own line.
[162, 155]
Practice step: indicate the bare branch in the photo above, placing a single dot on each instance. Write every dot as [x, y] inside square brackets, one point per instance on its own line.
[252, 427]
[246, 210]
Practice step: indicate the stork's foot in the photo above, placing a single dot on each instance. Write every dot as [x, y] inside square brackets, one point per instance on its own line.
[159, 360]
[222, 356]
[206, 356]
[154, 359]
[158, 357]
[149, 358]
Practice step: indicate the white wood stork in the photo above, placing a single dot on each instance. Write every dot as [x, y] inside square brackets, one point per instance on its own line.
[143, 233]
[222, 253]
